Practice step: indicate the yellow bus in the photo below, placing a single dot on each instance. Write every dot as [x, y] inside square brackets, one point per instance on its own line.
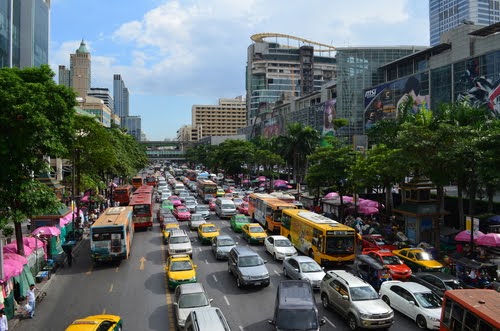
[267, 210]
[111, 235]
[326, 241]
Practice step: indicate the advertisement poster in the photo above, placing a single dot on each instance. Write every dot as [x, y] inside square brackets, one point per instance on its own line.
[330, 113]
[382, 102]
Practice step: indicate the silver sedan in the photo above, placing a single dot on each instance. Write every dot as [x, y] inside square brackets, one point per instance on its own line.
[303, 267]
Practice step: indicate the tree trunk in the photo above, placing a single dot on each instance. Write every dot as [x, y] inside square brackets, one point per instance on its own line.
[19, 237]
[460, 204]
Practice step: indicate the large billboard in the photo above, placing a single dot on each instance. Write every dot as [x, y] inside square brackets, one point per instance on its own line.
[329, 114]
[383, 101]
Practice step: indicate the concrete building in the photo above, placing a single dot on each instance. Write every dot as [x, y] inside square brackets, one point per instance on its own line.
[445, 15]
[98, 108]
[281, 72]
[120, 96]
[133, 126]
[24, 33]
[104, 94]
[187, 133]
[223, 119]
[78, 76]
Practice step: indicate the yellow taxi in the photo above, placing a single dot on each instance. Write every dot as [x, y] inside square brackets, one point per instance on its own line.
[418, 259]
[253, 233]
[220, 192]
[180, 270]
[168, 229]
[206, 232]
[97, 323]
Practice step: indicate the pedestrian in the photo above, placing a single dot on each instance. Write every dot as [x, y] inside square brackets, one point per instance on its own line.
[3, 321]
[31, 297]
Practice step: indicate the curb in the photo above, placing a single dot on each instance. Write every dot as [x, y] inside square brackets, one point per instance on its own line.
[42, 288]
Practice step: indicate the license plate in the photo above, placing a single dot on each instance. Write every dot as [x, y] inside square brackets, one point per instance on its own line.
[258, 283]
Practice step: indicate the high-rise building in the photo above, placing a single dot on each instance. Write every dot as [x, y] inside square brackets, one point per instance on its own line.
[223, 119]
[120, 96]
[133, 126]
[277, 72]
[104, 94]
[24, 33]
[444, 15]
[78, 76]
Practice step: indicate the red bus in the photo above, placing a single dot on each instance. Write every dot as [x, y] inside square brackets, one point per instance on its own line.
[137, 181]
[470, 309]
[151, 180]
[144, 189]
[122, 194]
[142, 214]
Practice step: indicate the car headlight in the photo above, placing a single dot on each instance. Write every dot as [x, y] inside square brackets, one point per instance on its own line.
[434, 319]
[364, 315]
[245, 277]
[193, 278]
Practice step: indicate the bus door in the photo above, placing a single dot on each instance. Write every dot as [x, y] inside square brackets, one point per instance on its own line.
[116, 243]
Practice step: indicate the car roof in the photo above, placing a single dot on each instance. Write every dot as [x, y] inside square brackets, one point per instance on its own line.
[382, 252]
[350, 279]
[191, 288]
[278, 237]
[296, 293]
[180, 257]
[302, 258]
[224, 236]
[413, 287]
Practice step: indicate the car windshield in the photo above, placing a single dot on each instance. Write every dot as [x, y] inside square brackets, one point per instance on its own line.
[256, 229]
[391, 260]
[423, 256]
[202, 208]
[310, 267]
[180, 266]
[182, 210]
[193, 300]
[297, 319]
[241, 219]
[363, 293]
[282, 243]
[453, 285]
[179, 240]
[226, 242]
[428, 300]
[250, 261]
[209, 229]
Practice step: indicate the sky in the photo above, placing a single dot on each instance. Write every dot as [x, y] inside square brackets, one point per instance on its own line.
[173, 54]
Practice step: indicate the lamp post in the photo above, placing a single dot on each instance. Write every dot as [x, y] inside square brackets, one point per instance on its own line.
[73, 203]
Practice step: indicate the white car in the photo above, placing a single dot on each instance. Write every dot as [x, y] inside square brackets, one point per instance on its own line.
[413, 300]
[188, 297]
[190, 203]
[279, 247]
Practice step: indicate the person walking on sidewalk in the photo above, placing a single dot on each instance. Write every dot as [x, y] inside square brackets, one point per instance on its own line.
[4, 325]
[31, 297]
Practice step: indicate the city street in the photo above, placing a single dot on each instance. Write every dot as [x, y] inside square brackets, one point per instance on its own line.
[135, 290]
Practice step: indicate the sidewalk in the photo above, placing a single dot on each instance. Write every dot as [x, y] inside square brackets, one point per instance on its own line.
[42, 286]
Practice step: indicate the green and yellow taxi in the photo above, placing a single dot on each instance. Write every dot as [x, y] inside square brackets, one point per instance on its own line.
[220, 192]
[168, 228]
[253, 233]
[97, 323]
[206, 232]
[237, 221]
[167, 204]
[180, 270]
[418, 259]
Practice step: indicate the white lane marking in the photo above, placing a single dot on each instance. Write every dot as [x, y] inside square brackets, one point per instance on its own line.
[215, 278]
[277, 273]
[326, 319]
[227, 301]
[206, 261]
[241, 327]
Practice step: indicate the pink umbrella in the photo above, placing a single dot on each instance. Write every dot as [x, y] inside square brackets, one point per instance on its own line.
[489, 239]
[47, 230]
[368, 210]
[10, 271]
[368, 203]
[17, 266]
[465, 235]
[15, 257]
[12, 248]
[346, 198]
[33, 242]
[262, 178]
[331, 195]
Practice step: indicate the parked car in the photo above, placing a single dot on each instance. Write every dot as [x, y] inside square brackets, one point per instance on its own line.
[355, 300]
[237, 221]
[222, 245]
[182, 213]
[195, 221]
[413, 300]
[253, 233]
[418, 259]
[279, 247]
[398, 270]
[188, 297]
[303, 267]
[438, 282]
[206, 232]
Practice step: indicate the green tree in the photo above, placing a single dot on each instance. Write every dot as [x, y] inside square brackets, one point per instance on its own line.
[36, 117]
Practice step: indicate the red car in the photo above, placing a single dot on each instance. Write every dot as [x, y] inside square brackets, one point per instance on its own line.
[211, 204]
[175, 200]
[398, 270]
[243, 208]
[182, 213]
[376, 242]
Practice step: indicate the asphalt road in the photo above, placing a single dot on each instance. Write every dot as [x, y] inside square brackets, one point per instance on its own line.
[135, 289]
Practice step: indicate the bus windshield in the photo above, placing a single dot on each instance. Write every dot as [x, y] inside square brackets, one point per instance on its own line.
[336, 245]
[142, 210]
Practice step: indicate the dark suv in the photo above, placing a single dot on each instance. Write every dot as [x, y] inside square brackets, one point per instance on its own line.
[295, 307]
[248, 267]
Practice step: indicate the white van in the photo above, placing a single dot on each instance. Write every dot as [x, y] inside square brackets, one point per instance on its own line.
[224, 208]
[206, 319]
[178, 186]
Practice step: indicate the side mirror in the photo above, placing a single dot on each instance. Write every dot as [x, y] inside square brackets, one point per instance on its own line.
[271, 322]
[195, 266]
[411, 302]
[265, 261]
[210, 300]
[345, 297]
[322, 321]
[175, 303]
